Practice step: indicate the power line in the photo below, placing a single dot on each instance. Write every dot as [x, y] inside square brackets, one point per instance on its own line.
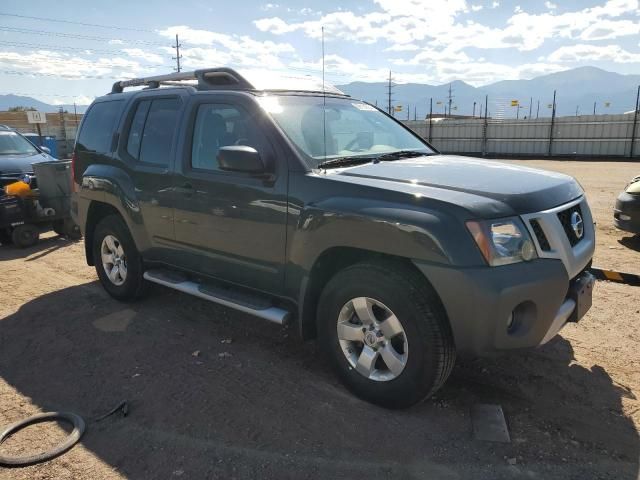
[58, 20]
[60, 48]
[48, 33]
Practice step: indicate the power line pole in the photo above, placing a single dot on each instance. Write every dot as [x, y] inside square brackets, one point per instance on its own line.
[450, 99]
[553, 121]
[474, 110]
[538, 110]
[530, 107]
[594, 108]
[389, 110]
[178, 56]
[635, 123]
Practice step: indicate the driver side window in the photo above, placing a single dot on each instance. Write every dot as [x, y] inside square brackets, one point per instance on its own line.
[218, 126]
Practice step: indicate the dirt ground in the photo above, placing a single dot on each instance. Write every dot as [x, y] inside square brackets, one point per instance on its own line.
[217, 394]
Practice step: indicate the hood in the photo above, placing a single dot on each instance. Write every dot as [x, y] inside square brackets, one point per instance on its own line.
[13, 164]
[487, 188]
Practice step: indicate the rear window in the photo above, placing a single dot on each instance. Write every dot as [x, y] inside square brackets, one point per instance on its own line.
[98, 126]
[152, 130]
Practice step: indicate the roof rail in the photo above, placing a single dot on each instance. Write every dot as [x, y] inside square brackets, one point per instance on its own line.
[209, 78]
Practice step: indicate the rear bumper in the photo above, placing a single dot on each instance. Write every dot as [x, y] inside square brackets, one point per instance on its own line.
[503, 308]
[626, 215]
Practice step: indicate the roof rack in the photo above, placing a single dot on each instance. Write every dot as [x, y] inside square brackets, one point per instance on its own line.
[223, 78]
[210, 78]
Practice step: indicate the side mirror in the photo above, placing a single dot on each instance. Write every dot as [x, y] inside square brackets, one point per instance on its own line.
[46, 150]
[240, 158]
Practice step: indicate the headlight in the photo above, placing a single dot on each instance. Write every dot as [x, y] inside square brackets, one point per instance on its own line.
[502, 242]
[634, 186]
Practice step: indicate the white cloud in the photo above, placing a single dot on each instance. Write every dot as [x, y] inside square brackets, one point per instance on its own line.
[139, 53]
[402, 22]
[550, 5]
[495, 4]
[476, 8]
[45, 62]
[518, 9]
[582, 53]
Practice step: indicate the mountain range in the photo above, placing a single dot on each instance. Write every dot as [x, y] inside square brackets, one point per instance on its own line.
[577, 90]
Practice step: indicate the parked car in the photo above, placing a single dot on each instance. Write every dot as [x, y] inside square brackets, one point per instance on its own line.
[626, 215]
[291, 201]
[17, 154]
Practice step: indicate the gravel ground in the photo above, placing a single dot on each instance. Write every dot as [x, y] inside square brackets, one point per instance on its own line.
[217, 394]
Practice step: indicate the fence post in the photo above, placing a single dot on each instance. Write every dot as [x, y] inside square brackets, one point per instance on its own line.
[553, 121]
[484, 126]
[635, 123]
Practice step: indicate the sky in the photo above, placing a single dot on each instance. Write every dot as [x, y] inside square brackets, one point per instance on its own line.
[71, 51]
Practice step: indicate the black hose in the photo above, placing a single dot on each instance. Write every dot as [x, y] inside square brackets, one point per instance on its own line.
[70, 441]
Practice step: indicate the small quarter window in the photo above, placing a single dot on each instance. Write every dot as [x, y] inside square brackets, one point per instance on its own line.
[98, 127]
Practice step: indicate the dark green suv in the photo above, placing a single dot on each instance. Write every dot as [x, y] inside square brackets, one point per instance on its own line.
[284, 198]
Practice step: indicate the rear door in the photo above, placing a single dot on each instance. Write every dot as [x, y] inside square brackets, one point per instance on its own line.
[148, 147]
[230, 225]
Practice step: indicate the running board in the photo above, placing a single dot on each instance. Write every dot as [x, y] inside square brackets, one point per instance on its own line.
[236, 299]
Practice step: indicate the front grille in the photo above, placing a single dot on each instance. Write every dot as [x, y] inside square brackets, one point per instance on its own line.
[542, 238]
[565, 220]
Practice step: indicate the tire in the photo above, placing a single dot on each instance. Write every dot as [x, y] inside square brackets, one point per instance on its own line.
[425, 345]
[25, 235]
[127, 284]
[5, 236]
[67, 228]
[58, 227]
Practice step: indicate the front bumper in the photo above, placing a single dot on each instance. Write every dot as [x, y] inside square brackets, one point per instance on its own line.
[626, 215]
[510, 307]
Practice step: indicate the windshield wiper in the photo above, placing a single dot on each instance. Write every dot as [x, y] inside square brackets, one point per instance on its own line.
[400, 154]
[345, 162]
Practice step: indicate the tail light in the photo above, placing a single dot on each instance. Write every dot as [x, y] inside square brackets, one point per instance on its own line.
[74, 186]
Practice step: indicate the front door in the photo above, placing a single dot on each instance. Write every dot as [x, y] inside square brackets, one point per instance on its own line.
[230, 225]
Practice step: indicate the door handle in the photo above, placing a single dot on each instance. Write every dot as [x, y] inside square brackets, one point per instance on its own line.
[185, 189]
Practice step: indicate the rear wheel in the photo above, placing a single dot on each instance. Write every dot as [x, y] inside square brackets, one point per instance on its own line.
[5, 236]
[386, 333]
[26, 235]
[117, 260]
[67, 228]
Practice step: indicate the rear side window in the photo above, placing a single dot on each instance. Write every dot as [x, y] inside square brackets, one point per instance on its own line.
[152, 130]
[98, 127]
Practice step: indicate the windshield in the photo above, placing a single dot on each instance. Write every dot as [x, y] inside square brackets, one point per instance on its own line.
[13, 144]
[346, 128]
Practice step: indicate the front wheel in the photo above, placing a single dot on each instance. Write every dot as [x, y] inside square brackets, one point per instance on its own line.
[386, 333]
[117, 260]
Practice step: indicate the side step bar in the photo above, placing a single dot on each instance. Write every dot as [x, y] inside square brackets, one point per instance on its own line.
[238, 300]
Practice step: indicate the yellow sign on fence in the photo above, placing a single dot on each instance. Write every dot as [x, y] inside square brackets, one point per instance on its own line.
[515, 103]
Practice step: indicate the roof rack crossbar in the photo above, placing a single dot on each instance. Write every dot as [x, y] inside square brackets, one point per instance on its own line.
[206, 78]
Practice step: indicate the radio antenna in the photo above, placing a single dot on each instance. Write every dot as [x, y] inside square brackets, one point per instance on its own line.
[324, 104]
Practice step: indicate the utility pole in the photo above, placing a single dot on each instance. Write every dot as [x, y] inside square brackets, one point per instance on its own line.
[538, 110]
[450, 99]
[430, 117]
[553, 121]
[594, 108]
[178, 56]
[577, 109]
[408, 111]
[635, 124]
[530, 107]
[474, 110]
[389, 109]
